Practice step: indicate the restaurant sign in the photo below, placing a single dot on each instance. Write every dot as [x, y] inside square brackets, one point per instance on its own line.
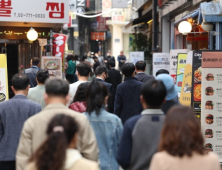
[41, 11]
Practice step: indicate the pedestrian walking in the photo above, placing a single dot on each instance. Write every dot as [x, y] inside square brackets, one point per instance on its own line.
[71, 69]
[96, 63]
[83, 72]
[36, 94]
[101, 59]
[140, 72]
[79, 100]
[58, 151]
[182, 144]
[127, 98]
[141, 133]
[171, 91]
[107, 127]
[33, 135]
[121, 59]
[108, 59]
[13, 114]
[32, 71]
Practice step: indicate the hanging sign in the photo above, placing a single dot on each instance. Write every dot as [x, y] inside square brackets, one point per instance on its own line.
[3, 78]
[211, 107]
[59, 44]
[41, 11]
[107, 5]
[161, 61]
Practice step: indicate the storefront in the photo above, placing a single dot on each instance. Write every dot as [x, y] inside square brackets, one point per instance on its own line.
[15, 23]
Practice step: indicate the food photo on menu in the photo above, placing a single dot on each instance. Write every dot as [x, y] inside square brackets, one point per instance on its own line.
[209, 119]
[209, 105]
[53, 65]
[2, 97]
[197, 92]
[210, 77]
[198, 75]
[209, 147]
[209, 91]
[209, 133]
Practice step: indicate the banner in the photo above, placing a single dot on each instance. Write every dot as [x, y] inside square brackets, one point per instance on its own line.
[185, 96]
[3, 78]
[41, 11]
[211, 108]
[196, 83]
[173, 61]
[136, 56]
[59, 45]
[106, 5]
[161, 61]
[181, 63]
[53, 65]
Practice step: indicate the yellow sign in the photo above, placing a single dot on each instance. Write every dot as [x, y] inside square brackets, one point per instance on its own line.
[3, 78]
[185, 95]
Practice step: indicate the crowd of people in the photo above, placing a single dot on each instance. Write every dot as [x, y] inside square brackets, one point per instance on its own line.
[105, 123]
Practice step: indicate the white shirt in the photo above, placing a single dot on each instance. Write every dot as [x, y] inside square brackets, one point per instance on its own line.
[73, 88]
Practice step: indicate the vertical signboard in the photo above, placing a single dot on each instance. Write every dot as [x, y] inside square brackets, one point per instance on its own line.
[211, 109]
[173, 61]
[161, 61]
[185, 96]
[106, 6]
[3, 78]
[196, 83]
[181, 63]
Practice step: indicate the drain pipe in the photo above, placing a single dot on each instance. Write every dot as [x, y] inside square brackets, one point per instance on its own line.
[155, 26]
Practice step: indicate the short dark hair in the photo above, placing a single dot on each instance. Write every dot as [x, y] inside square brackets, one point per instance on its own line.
[100, 70]
[154, 93]
[112, 63]
[181, 134]
[162, 71]
[35, 61]
[80, 95]
[128, 69]
[70, 57]
[141, 65]
[83, 69]
[42, 76]
[56, 87]
[20, 81]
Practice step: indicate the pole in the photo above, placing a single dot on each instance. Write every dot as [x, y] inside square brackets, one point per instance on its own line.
[154, 26]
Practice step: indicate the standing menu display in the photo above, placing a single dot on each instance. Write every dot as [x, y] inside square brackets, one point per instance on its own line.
[54, 65]
[3, 78]
[211, 109]
[196, 83]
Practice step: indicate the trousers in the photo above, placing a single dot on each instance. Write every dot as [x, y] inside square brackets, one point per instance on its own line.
[7, 165]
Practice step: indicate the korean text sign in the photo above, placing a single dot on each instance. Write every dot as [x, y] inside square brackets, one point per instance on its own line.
[3, 78]
[42, 11]
[161, 61]
[136, 56]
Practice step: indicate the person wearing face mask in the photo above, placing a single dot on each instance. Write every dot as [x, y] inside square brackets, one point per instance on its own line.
[101, 75]
[108, 58]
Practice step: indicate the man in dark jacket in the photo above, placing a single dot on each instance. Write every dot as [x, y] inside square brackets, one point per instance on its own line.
[108, 59]
[127, 99]
[96, 63]
[13, 114]
[101, 75]
[32, 71]
[140, 69]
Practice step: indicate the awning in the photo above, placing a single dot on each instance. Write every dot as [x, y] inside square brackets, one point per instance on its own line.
[191, 15]
[210, 12]
[144, 18]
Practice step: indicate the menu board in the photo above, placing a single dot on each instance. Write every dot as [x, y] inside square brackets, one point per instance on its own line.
[211, 109]
[161, 61]
[3, 78]
[196, 83]
[173, 61]
[185, 96]
[181, 63]
[53, 65]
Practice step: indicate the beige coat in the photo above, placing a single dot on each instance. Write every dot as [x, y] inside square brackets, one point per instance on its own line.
[165, 161]
[34, 134]
[74, 161]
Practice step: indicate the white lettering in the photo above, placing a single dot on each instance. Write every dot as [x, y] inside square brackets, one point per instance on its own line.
[80, 2]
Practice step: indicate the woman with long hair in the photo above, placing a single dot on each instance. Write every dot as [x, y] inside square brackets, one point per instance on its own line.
[79, 100]
[182, 144]
[57, 152]
[107, 126]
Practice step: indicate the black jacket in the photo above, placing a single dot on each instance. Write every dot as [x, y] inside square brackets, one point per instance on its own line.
[142, 77]
[114, 78]
[107, 59]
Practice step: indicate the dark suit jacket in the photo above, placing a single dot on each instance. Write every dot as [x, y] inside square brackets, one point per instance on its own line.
[114, 78]
[142, 77]
[111, 95]
[13, 114]
[127, 99]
